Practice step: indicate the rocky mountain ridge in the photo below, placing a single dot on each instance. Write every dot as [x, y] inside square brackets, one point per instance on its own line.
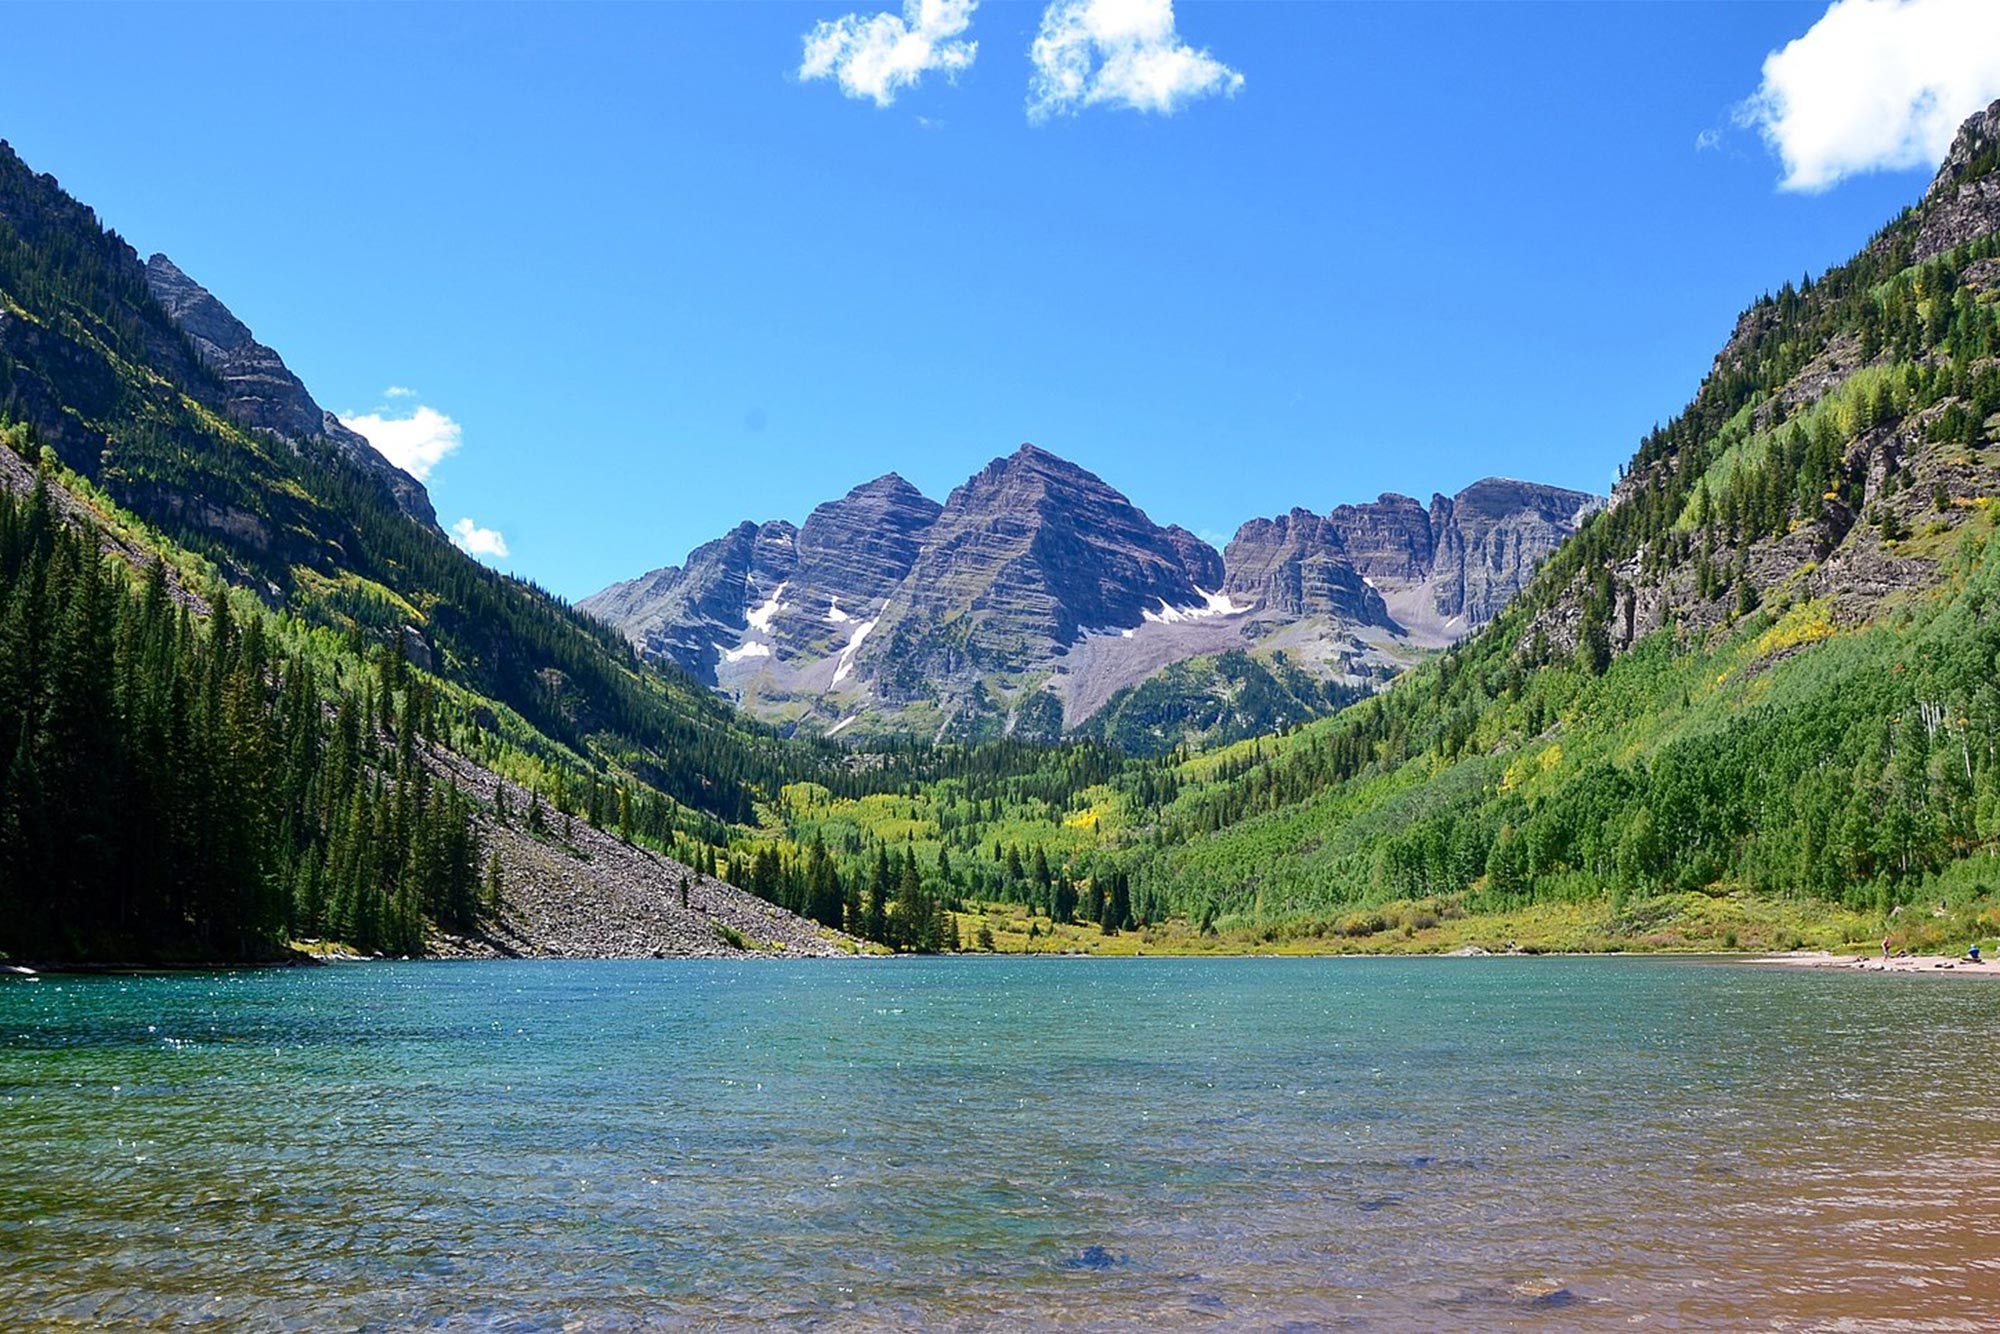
[262, 392]
[1037, 592]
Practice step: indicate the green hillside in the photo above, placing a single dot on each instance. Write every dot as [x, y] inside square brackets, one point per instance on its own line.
[1214, 700]
[1770, 666]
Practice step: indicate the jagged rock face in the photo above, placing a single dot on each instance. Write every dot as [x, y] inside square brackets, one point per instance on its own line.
[773, 589]
[1389, 539]
[1029, 554]
[690, 613]
[1963, 201]
[1838, 552]
[1435, 573]
[261, 391]
[1037, 592]
[864, 544]
[1296, 565]
[774, 556]
[1201, 561]
[409, 493]
[187, 337]
[1492, 537]
[852, 554]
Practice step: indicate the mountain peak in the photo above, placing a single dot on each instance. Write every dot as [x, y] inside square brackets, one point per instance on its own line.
[1962, 204]
[1037, 575]
[889, 484]
[1034, 458]
[1973, 152]
[214, 328]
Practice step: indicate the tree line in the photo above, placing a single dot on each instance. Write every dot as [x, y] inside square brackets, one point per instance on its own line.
[176, 787]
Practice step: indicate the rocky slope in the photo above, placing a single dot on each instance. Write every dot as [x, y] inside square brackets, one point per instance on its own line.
[1297, 565]
[690, 613]
[1963, 200]
[1037, 593]
[581, 893]
[1029, 557]
[864, 545]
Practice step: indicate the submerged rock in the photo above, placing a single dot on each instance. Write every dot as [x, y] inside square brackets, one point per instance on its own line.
[1093, 1258]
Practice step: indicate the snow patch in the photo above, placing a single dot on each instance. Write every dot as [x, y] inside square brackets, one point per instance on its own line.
[1220, 603]
[1366, 580]
[753, 649]
[843, 724]
[1213, 604]
[847, 654]
[837, 616]
[760, 619]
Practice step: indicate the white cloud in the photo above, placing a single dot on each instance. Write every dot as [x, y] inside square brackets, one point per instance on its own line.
[476, 541]
[1120, 53]
[878, 55]
[399, 391]
[1875, 85]
[415, 443]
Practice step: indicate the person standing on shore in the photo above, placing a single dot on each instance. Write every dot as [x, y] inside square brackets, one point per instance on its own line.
[1885, 947]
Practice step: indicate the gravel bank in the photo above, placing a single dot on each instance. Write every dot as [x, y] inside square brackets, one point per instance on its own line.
[580, 893]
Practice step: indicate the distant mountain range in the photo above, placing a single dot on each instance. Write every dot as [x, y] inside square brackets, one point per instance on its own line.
[1037, 594]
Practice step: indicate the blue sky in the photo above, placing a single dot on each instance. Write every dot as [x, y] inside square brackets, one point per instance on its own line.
[656, 282]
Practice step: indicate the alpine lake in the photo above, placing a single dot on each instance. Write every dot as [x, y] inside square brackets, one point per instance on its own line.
[1015, 1143]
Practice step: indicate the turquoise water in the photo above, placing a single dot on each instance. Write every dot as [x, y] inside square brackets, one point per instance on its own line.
[980, 1142]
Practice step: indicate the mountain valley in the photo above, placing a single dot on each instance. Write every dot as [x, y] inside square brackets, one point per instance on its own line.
[1749, 701]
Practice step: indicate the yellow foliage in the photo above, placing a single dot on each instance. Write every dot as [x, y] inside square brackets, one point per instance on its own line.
[1806, 623]
[1529, 767]
[1517, 773]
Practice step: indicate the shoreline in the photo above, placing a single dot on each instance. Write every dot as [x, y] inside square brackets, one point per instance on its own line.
[1925, 964]
[1929, 965]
